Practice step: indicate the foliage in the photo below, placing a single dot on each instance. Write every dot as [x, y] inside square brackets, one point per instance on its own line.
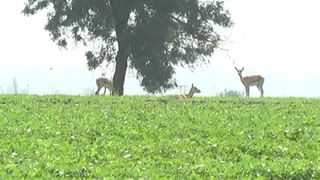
[154, 36]
[158, 137]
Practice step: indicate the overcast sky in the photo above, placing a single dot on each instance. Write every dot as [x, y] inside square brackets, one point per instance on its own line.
[276, 39]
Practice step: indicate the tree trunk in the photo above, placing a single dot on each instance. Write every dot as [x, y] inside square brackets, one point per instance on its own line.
[120, 71]
[121, 12]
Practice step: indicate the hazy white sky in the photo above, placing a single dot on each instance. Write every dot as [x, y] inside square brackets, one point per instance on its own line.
[277, 39]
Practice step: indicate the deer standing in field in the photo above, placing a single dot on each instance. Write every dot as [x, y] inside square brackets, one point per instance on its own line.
[247, 81]
[192, 91]
[106, 83]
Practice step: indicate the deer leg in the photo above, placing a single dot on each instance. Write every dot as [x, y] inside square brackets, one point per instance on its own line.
[261, 90]
[104, 92]
[247, 91]
[97, 92]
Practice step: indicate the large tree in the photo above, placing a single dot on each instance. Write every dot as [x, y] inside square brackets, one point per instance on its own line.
[150, 36]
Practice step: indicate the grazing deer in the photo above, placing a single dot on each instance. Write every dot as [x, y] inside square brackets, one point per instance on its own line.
[247, 81]
[192, 91]
[106, 83]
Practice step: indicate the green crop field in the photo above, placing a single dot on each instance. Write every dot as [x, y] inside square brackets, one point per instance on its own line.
[139, 137]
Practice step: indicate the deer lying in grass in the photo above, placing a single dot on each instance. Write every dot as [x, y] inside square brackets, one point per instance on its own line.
[106, 83]
[247, 81]
[193, 90]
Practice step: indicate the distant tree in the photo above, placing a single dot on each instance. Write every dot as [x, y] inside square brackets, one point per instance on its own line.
[15, 86]
[24, 90]
[151, 36]
[89, 91]
[231, 93]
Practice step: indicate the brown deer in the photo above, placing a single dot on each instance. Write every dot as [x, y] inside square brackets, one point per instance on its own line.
[106, 83]
[193, 90]
[247, 81]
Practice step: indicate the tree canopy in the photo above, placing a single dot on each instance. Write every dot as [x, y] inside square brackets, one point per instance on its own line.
[150, 36]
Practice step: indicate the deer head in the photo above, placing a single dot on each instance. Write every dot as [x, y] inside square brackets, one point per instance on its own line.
[239, 71]
[193, 90]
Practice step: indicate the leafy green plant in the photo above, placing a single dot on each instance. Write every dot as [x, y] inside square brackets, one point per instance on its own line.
[158, 137]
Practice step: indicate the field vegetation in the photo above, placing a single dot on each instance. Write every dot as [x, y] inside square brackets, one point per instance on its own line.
[144, 137]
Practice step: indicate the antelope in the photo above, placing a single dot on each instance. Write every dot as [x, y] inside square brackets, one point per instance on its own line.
[106, 83]
[193, 90]
[247, 81]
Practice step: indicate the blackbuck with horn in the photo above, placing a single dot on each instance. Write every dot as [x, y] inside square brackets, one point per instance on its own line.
[106, 83]
[247, 81]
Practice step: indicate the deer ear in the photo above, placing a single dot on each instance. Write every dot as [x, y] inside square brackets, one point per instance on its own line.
[192, 85]
[242, 69]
